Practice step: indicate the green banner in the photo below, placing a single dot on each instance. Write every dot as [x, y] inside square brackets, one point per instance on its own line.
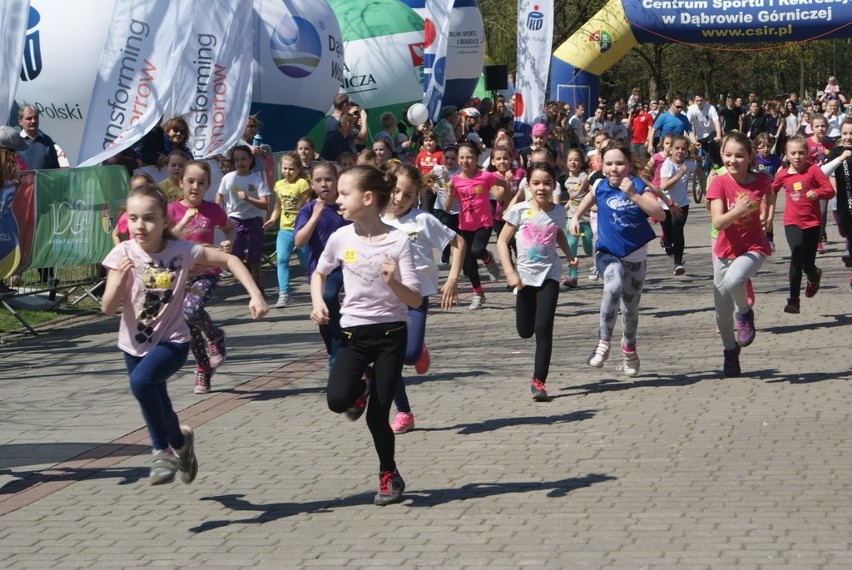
[76, 209]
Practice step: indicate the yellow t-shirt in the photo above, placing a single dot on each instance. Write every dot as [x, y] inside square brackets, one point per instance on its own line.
[171, 190]
[289, 195]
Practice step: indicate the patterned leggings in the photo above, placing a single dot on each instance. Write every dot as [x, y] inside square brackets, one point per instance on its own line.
[198, 293]
[623, 281]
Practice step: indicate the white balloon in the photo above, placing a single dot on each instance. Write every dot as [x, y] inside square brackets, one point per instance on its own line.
[417, 114]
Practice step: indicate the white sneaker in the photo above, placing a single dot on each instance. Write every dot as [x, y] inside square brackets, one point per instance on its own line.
[600, 354]
[631, 361]
[284, 300]
[493, 270]
[593, 275]
[476, 301]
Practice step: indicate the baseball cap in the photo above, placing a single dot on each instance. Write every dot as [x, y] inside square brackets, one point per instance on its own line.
[539, 130]
[11, 138]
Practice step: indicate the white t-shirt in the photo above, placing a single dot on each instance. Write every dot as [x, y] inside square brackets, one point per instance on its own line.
[535, 236]
[679, 193]
[443, 188]
[426, 234]
[253, 185]
[368, 299]
[703, 120]
[152, 299]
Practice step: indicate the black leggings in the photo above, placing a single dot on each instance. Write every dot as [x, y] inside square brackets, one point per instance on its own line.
[803, 247]
[673, 228]
[535, 308]
[476, 242]
[383, 346]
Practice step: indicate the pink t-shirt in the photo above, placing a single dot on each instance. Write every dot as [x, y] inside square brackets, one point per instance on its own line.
[513, 177]
[474, 195]
[798, 209]
[745, 234]
[658, 159]
[200, 228]
[153, 294]
[818, 151]
[368, 299]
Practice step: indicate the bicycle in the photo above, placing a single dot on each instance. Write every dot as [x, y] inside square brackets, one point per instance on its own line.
[699, 187]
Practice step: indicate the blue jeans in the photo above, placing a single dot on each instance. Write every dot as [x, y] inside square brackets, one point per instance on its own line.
[284, 249]
[148, 377]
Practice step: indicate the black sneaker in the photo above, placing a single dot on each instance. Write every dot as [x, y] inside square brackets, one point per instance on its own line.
[391, 487]
[357, 409]
[792, 306]
[731, 368]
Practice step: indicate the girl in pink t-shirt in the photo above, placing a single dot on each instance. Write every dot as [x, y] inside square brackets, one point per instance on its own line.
[147, 279]
[501, 164]
[195, 219]
[120, 232]
[473, 187]
[740, 204]
[804, 185]
[381, 284]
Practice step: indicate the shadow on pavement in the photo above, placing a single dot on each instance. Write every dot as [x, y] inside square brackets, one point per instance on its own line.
[654, 381]
[839, 321]
[499, 423]
[419, 498]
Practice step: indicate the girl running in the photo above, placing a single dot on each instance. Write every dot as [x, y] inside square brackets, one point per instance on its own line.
[819, 147]
[426, 234]
[147, 279]
[539, 225]
[674, 179]
[315, 223]
[195, 219]
[577, 186]
[501, 164]
[381, 284]
[740, 204]
[841, 179]
[245, 198]
[473, 187]
[290, 194]
[624, 204]
[804, 185]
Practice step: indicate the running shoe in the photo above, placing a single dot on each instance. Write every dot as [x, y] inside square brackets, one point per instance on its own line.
[731, 367]
[188, 465]
[476, 301]
[631, 360]
[202, 381]
[391, 487]
[847, 258]
[218, 352]
[164, 467]
[813, 286]
[745, 328]
[284, 300]
[599, 355]
[402, 422]
[679, 270]
[358, 407]
[539, 394]
[792, 306]
[423, 361]
[492, 269]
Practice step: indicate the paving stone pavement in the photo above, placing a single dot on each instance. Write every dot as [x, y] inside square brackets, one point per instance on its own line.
[677, 468]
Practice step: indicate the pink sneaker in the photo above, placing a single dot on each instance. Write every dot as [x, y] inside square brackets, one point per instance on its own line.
[423, 361]
[403, 422]
[750, 293]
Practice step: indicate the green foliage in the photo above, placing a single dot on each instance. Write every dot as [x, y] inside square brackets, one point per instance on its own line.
[669, 69]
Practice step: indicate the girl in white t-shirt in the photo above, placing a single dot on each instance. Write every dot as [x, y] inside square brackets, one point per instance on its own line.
[426, 234]
[245, 197]
[674, 177]
[381, 283]
[147, 279]
[538, 225]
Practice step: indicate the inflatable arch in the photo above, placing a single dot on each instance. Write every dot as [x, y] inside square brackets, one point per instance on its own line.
[577, 64]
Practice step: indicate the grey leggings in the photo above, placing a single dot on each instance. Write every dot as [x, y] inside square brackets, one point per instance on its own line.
[729, 291]
[622, 287]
